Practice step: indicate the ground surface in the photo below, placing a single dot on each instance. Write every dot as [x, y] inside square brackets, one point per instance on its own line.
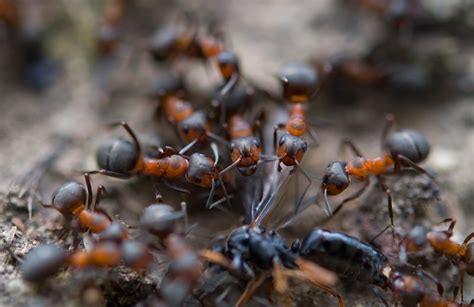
[266, 35]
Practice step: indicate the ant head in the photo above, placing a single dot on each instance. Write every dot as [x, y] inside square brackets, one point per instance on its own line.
[164, 43]
[336, 179]
[469, 259]
[166, 84]
[159, 219]
[69, 197]
[408, 143]
[228, 62]
[136, 255]
[246, 148]
[194, 127]
[299, 82]
[408, 290]
[42, 262]
[116, 232]
[291, 148]
[201, 170]
[117, 155]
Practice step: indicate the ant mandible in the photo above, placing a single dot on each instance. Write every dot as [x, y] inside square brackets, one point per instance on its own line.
[403, 147]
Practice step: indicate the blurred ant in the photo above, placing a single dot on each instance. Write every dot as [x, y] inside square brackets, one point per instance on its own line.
[251, 248]
[41, 262]
[74, 202]
[192, 125]
[354, 259]
[9, 13]
[185, 268]
[404, 147]
[123, 159]
[460, 254]
[107, 36]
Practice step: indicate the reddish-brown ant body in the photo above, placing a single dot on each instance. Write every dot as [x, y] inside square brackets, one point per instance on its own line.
[460, 254]
[73, 201]
[123, 159]
[404, 147]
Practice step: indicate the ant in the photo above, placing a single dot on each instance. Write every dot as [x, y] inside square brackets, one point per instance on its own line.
[41, 262]
[351, 258]
[107, 36]
[73, 201]
[404, 147]
[185, 269]
[123, 159]
[460, 254]
[251, 247]
[300, 84]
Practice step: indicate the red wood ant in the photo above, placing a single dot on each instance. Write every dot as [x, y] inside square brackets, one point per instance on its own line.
[185, 269]
[404, 147]
[460, 254]
[351, 258]
[73, 201]
[251, 247]
[123, 159]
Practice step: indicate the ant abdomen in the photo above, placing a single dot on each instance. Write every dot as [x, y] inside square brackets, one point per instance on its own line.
[159, 219]
[69, 198]
[335, 179]
[163, 43]
[136, 255]
[300, 81]
[42, 262]
[408, 143]
[118, 155]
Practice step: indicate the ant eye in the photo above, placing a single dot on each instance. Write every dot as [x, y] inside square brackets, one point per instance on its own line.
[196, 179]
[256, 142]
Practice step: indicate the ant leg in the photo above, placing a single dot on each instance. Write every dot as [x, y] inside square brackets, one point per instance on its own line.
[306, 189]
[184, 210]
[226, 196]
[211, 194]
[125, 125]
[176, 188]
[376, 291]
[231, 166]
[216, 258]
[380, 233]
[353, 147]
[230, 84]
[188, 147]
[111, 174]
[389, 122]
[280, 282]
[315, 136]
[355, 195]
[217, 138]
[98, 196]
[468, 238]
[412, 164]
[252, 286]
[327, 205]
[89, 190]
[388, 193]
[275, 134]
[461, 281]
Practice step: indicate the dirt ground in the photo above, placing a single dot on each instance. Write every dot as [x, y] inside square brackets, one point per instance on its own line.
[71, 116]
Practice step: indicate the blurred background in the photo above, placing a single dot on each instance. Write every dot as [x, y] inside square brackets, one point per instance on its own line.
[68, 67]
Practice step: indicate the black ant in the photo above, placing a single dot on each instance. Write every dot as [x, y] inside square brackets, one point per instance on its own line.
[250, 247]
[404, 147]
[74, 202]
[351, 258]
[460, 254]
[185, 268]
[123, 159]
[42, 262]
